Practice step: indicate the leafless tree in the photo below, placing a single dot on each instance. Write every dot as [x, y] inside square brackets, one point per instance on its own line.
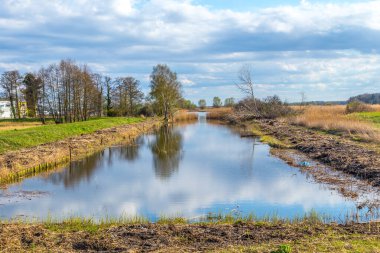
[10, 82]
[246, 84]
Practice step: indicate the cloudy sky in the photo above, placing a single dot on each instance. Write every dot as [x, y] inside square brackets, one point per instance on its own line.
[328, 49]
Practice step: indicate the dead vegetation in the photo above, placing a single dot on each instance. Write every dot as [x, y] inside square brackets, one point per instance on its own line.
[218, 113]
[185, 115]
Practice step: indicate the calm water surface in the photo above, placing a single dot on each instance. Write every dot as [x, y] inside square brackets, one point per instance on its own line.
[186, 170]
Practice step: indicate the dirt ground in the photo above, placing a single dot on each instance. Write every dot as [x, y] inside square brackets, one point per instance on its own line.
[338, 152]
[166, 237]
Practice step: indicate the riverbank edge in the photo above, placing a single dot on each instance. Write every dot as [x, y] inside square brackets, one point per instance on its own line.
[175, 235]
[337, 152]
[17, 165]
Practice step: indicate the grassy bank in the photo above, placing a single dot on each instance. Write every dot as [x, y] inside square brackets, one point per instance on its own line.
[34, 136]
[227, 234]
[65, 143]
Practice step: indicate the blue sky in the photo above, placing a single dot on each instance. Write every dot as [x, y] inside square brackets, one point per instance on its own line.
[327, 49]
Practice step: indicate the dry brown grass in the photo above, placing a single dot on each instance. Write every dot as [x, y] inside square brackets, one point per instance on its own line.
[218, 113]
[9, 125]
[334, 119]
[184, 115]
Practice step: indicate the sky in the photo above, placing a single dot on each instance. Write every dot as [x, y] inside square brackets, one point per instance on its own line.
[330, 50]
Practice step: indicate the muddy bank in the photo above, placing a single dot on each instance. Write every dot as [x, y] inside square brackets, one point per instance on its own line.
[337, 152]
[168, 237]
[15, 165]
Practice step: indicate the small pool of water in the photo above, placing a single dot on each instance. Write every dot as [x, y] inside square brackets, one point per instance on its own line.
[188, 170]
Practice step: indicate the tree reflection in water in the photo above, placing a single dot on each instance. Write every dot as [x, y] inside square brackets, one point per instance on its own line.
[85, 168]
[131, 152]
[167, 151]
[77, 171]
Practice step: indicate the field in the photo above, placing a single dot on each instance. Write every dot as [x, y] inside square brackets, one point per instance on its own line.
[30, 133]
[363, 126]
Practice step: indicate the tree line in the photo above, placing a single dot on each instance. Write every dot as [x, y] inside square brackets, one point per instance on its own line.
[69, 92]
[217, 102]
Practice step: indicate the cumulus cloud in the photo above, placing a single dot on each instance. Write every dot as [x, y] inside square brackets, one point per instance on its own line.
[308, 46]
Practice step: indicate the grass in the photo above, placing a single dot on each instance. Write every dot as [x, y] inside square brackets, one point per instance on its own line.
[30, 137]
[334, 120]
[270, 140]
[306, 234]
[373, 117]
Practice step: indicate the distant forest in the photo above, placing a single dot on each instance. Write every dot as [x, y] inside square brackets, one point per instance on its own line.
[367, 98]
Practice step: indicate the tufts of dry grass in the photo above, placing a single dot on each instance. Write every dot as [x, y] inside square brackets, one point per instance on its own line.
[184, 115]
[334, 119]
[218, 113]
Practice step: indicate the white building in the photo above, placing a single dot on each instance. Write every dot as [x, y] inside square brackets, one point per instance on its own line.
[5, 109]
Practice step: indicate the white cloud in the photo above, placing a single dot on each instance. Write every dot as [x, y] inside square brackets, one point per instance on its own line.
[309, 43]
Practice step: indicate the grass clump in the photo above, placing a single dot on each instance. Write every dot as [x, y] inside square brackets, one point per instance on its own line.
[274, 142]
[30, 137]
[91, 225]
[283, 249]
[171, 220]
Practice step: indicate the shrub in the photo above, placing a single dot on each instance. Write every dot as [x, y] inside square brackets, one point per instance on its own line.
[357, 106]
[269, 108]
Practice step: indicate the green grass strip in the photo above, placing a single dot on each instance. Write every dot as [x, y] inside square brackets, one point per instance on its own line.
[30, 137]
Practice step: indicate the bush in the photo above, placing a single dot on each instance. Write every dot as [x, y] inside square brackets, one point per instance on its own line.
[268, 108]
[357, 106]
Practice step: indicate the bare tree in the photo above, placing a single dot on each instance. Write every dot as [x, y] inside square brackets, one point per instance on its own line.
[10, 82]
[246, 84]
[303, 98]
[127, 95]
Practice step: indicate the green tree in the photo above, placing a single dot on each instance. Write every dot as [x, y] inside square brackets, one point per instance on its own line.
[216, 102]
[165, 89]
[32, 92]
[202, 103]
[186, 104]
[228, 102]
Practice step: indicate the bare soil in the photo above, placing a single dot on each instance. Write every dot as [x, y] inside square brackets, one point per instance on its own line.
[166, 238]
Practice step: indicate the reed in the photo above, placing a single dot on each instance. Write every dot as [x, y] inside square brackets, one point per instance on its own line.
[334, 119]
[183, 115]
[218, 113]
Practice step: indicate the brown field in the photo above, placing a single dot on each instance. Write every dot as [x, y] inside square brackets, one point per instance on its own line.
[334, 119]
